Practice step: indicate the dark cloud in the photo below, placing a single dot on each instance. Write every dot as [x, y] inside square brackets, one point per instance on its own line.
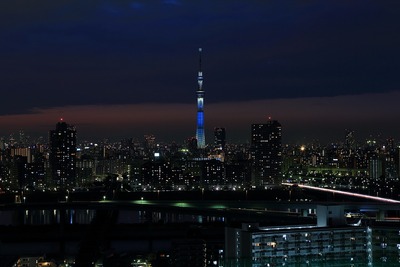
[57, 53]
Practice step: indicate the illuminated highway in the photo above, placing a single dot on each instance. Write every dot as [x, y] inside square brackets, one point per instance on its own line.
[343, 193]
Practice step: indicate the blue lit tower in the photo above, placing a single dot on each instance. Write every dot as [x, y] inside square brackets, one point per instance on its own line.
[201, 140]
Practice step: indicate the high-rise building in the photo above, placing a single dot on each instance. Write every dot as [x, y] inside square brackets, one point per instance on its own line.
[149, 144]
[375, 168]
[266, 153]
[219, 138]
[191, 144]
[62, 156]
[300, 245]
[350, 139]
[201, 140]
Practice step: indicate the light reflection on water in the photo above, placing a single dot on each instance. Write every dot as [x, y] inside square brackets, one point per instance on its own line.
[69, 216]
[78, 216]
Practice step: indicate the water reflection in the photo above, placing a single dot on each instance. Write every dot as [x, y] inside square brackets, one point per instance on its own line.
[79, 216]
[56, 216]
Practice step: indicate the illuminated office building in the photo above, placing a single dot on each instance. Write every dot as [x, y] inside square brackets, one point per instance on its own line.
[333, 241]
[298, 246]
[375, 168]
[266, 153]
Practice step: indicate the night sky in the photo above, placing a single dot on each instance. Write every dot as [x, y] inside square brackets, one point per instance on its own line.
[121, 68]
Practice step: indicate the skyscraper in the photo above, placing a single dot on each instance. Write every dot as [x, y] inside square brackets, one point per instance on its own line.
[63, 154]
[219, 138]
[201, 142]
[266, 153]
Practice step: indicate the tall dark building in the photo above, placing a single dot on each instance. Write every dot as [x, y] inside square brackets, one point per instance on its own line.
[349, 139]
[219, 138]
[62, 157]
[266, 153]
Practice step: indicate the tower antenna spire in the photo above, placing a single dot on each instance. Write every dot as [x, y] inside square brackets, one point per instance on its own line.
[200, 49]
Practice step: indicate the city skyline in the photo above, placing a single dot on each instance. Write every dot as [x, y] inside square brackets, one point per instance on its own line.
[118, 70]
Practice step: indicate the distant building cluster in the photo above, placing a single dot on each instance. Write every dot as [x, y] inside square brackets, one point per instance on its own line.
[371, 166]
[146, 165]
[62, 163]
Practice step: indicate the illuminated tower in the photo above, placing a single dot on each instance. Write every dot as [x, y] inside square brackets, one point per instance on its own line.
[201, 140]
